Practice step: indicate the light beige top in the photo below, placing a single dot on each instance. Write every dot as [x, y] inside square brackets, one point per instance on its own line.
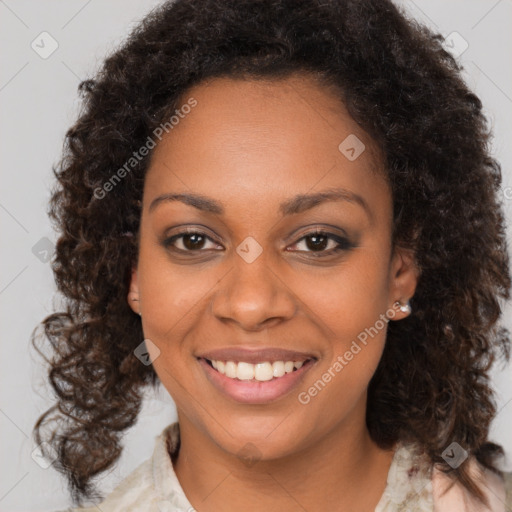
[412, 485]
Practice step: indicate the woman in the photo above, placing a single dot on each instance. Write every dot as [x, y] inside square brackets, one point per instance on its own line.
[286, 213]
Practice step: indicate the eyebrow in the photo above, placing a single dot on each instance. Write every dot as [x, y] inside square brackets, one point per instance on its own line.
[296, 204]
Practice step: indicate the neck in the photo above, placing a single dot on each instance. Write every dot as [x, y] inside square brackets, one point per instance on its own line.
[345, 470]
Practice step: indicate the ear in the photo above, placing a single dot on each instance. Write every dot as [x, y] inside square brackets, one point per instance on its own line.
[133, 294]
[404, 276]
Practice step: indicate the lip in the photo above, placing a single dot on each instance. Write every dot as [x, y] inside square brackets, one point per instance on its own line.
[252, 391]
[259, 355]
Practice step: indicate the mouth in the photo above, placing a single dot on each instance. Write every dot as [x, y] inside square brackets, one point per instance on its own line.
[261, 372]
[255, 383]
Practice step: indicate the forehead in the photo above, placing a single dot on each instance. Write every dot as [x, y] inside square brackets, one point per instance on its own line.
[263, 140]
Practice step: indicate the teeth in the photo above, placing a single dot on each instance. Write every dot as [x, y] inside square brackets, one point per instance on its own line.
[278, 368]
[230, 369]
[260, 371]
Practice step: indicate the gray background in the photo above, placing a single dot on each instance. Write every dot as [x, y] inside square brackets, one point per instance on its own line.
[38, 98]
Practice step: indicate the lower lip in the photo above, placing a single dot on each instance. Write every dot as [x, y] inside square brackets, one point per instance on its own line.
[253, 391]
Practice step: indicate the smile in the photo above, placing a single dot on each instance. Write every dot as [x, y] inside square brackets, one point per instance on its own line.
[260, 371]
[258, 383]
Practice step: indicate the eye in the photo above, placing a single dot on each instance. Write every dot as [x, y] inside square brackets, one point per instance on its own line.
[321, 242]
[318, 241]
[189, 241]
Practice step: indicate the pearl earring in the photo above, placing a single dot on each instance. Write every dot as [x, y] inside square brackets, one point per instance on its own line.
[405, 308]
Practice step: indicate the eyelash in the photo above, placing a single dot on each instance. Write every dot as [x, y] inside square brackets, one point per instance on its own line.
[343, 243]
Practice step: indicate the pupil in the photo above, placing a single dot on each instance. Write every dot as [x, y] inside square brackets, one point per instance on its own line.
[316, 245]
[193, 238]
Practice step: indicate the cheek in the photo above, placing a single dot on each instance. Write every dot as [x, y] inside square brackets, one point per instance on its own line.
[173, 299]
[348, 298]
[169, 294]
[355, 332]
[350, 306]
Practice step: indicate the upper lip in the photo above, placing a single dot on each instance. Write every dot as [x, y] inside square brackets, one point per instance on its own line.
[241, 354]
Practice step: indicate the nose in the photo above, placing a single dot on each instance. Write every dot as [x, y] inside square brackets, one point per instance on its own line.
[253, 296]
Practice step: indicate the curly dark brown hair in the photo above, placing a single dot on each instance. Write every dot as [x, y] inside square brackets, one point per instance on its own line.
[432, 384]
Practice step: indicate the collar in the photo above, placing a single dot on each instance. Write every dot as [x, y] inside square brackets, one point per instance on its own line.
[166, 483]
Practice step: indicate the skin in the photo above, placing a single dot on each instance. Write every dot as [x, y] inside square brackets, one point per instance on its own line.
[251, 145]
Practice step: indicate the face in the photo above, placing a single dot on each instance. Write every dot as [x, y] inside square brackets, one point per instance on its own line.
[260, 232]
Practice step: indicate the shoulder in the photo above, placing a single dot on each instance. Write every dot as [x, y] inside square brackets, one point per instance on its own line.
[507, 477]
[414, 483]
[408, 484]
[152, 487]
[134, 490]
[450, 496]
